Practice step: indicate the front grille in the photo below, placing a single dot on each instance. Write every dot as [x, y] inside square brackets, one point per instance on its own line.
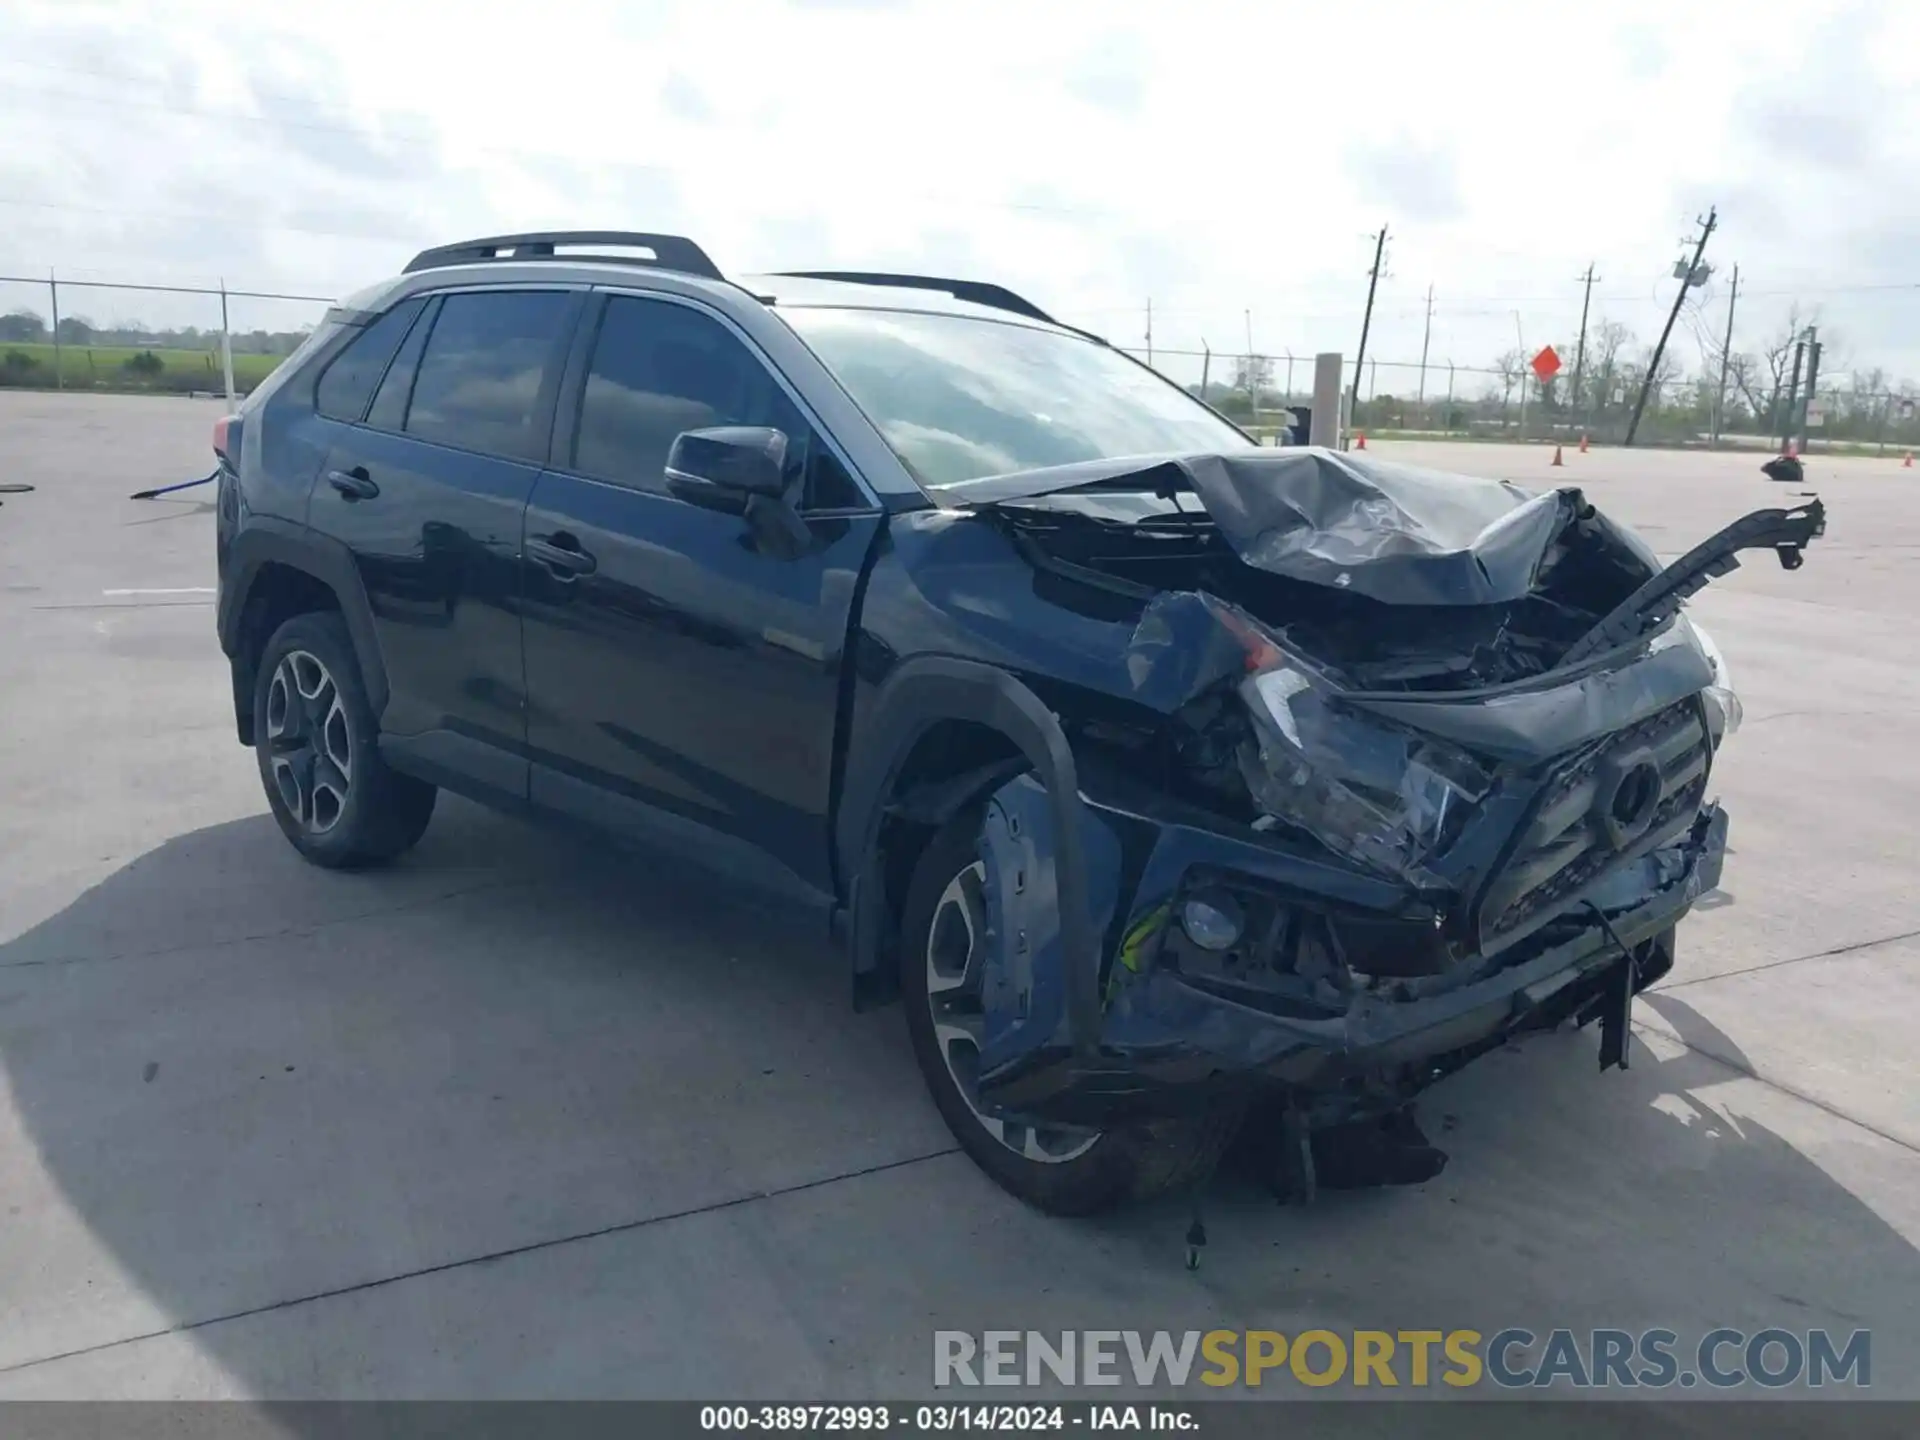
[1654, 774]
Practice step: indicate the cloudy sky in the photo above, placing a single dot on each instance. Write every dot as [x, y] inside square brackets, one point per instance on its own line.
[1227, 160]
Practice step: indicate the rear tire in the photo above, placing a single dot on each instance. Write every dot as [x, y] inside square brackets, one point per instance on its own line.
[315, 739]
[1060, 1170]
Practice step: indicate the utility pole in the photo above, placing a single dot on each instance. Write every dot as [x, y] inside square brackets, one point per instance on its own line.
[1580, 349]
[1253, 382]
[1520, 335]
[1813, 379]
[1366, 322]
[1149, 332]
[226, 343]
[59, 371]
[1425, 335]
[1726, 355]
[1785, 424]
[1686, 283]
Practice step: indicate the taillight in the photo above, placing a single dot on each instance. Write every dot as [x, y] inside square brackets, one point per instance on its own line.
[226, 438]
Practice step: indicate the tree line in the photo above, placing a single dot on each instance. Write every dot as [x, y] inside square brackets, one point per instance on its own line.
[28, 327]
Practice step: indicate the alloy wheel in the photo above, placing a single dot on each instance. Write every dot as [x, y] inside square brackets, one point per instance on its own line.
[956, 949]
[309, 742]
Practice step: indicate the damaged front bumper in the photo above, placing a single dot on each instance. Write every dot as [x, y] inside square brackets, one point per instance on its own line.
[1350, 995]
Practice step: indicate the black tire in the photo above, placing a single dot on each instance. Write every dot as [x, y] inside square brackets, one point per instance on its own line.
[1123, 1165]
[383, 813]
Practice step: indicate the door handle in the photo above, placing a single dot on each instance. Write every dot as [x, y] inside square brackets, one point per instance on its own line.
[355, 484]
[561, 554]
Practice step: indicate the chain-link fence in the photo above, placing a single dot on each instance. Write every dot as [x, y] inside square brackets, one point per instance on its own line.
[64, 332]
[1445, 400]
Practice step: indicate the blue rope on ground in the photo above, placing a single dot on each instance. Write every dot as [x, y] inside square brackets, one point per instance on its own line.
[169, 489]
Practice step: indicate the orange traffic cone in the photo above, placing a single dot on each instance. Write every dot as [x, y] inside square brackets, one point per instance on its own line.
[1359, 439]
[1583, 444]
[1556, 456]
[1907, 464]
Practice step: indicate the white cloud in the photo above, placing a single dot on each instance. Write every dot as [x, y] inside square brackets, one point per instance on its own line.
[1220, 158]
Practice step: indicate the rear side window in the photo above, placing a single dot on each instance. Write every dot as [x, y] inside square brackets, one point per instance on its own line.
[389, 408]
[660, 368]
[349, 379]
[483, 373]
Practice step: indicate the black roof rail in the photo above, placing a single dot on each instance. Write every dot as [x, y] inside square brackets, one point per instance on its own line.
[670, 252]
[976, 292]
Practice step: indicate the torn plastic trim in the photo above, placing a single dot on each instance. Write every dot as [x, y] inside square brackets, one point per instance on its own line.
[1388, 779]
[917, 695]
[1535, 720]
[1786, 532]
[1167, 1045]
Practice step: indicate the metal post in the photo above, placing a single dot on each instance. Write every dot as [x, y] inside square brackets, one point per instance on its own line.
[1149, 341]
[59, 371]
[1289, 375]
[226, 343]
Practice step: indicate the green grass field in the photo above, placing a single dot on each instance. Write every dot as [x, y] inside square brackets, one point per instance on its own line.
[105, 367]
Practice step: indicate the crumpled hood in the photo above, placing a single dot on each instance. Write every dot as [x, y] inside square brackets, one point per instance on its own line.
[1395, 533]
[1398, 534]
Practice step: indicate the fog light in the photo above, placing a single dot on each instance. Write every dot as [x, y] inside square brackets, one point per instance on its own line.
[1212, 921]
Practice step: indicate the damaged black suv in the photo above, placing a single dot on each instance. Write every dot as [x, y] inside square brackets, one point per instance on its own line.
[1177, 786]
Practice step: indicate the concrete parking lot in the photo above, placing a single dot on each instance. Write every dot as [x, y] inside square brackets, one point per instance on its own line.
[520, 1117]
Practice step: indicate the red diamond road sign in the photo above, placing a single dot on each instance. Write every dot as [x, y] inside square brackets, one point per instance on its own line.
[1546, 364]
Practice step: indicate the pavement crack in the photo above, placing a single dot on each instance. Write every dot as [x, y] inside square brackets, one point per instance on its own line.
[1846, 949]
[532, 1247]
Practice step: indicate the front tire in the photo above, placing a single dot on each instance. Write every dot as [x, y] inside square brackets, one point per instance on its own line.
[1062, 1170]
[315, 739]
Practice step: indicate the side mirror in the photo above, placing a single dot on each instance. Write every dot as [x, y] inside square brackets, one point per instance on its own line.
[722, 468]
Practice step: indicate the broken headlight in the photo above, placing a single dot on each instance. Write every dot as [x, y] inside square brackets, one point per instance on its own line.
[1722, 701]
[1386, 797]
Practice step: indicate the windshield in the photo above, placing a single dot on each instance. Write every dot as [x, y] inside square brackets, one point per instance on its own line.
[960, 398]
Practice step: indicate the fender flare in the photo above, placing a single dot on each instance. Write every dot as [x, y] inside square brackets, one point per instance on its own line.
[266, 540]
[919, 694]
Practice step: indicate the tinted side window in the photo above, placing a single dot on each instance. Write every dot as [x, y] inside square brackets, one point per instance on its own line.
[660, 368]
[480, 379]
[389, 408]
[347, 383]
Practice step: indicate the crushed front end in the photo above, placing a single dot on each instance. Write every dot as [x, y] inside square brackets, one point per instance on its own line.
[1337, 870]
